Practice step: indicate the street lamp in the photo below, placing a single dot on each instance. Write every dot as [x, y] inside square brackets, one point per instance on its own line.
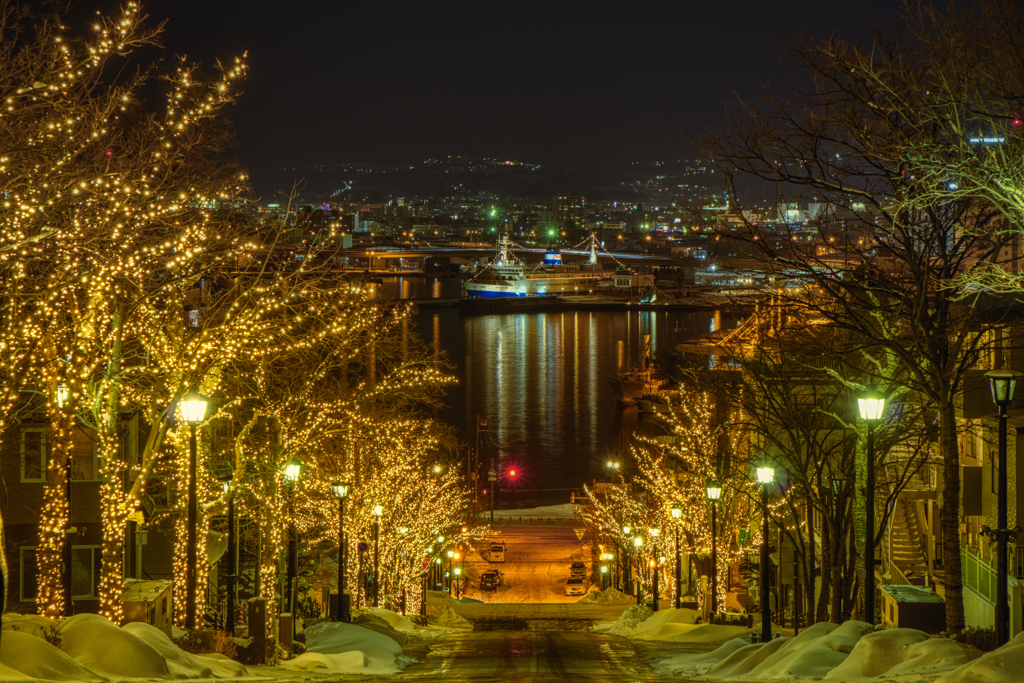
[290, 472]
[714, 492]
[193, 410]
[1003, 383]
[340, 491]
[765, 475]
[677, 514]
[448, 574]
[870, 403]
[229, 618]
[377, 512]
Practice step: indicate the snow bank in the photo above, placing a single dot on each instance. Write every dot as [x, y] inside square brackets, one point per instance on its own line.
[347, 648]
[1002, 665]
[694, 665]
[611, 596]
[394, 620]
[627, 623]
[28, 657]
[847, 652]
[901, 651]
[449, 618]
[665, 622]
[92, 648]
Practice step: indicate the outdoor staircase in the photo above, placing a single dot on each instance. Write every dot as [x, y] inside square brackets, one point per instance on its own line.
[906, 551]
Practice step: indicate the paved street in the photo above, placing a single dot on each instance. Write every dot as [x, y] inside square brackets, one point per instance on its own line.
[531, 657]
[536, 566]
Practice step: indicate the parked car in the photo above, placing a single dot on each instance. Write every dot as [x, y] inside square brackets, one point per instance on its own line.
[490, 580]
[578, 569]
[575, 586]
[496, 553]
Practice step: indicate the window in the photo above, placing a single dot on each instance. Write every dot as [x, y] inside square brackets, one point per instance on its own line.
[83, 457]
[29, 583]
[85, 571]
[33, 454]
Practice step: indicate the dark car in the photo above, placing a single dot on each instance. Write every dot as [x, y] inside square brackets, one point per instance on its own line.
[490, 580]
[578, 569]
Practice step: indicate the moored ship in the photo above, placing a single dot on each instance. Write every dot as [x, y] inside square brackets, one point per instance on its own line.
[507, 276]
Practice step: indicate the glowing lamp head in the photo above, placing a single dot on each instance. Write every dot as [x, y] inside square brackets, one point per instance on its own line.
[340, 490]
[449, 553]
[638, 541]
[653, 564]
[655, 531]
[437, 469]
[604, 569]
[440, 539]
[625, 531]
[378, 510]
[290, 470]
[871, 403]
[714, 489]
[765, 474]
[1003, 383]
[193, 407]
[512, 473]
[458, 571]
[62, 395]
[677, 512]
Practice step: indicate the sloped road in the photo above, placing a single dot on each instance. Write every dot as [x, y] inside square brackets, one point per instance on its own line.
[531, 657]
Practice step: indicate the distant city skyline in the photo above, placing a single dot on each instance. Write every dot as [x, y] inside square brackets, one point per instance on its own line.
[558, 83]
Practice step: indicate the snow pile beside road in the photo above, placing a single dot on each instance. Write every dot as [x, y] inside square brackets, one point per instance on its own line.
[680, 625]
[847, 652]
[92, 648]
[394, 620]
[627, 623]
[1003, 665]
[347, 648]
[610, 596]
[449, 618]
[901, 651]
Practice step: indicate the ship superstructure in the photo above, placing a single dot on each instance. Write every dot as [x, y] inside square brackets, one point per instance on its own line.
[507, 276]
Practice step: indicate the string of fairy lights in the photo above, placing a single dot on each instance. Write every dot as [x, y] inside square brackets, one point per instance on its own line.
[671, 473]
[115, 229]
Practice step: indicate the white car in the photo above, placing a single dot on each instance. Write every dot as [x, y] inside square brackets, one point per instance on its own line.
[575, 586]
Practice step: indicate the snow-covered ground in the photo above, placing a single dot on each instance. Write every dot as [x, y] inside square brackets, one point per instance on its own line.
[88, 647]
[565, 512]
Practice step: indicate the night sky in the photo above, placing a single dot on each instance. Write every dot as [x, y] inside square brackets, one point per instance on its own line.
[546, 83]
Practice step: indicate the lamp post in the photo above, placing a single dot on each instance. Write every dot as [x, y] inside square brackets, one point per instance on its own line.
[714, 492]
[229, 617]
[625, 561]
[448, 574]
[377, 512]
[655, 532]
[340, 491]
[638, 543]
[290, 475]
[1003, 383]
[677, 514]
[193, 410]
[870, 403]
[765, 475]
